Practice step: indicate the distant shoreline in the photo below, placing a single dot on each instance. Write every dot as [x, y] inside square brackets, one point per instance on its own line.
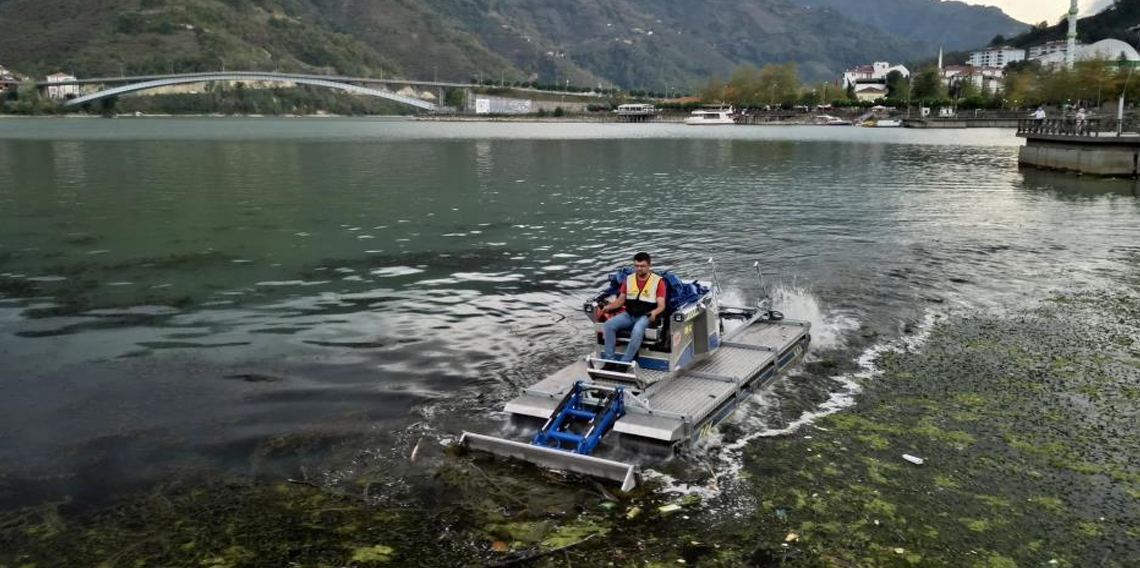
[568, 119]
[164, 115]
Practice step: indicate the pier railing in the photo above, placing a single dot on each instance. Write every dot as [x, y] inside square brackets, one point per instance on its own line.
[1090, 127]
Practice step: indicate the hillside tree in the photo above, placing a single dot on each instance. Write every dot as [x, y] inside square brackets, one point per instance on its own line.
[780, 84]
[927, 84]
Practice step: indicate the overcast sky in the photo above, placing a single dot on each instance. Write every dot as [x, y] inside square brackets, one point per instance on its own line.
[1033, 11]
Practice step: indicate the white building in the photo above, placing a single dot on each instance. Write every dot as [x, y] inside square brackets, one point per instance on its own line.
[875, 72]
[870, 92]
[996, 57]
[988, 80]
[1048, 48]
[6, 76]
[1105, 49]
[61, 92]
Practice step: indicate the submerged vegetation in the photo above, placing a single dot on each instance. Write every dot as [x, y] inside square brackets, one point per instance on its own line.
[1029, 457]
[1024, 424]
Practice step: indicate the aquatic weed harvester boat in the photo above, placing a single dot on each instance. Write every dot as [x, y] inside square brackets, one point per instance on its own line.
[688, 376]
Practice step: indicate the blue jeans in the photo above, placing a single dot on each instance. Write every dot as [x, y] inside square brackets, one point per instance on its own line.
[621, 322]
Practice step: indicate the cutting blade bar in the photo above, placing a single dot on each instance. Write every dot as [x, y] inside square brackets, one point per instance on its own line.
[628, 475]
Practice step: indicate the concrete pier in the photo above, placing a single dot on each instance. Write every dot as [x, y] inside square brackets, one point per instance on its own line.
[1091, 147]
[960, 122]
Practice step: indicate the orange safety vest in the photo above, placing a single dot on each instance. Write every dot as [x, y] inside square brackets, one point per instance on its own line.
[641, 301]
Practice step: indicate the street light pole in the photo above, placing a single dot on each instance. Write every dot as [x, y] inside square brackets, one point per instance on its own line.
[1131, 69]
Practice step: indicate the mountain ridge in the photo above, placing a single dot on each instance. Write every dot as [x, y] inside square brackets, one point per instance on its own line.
[949, 24]
[640, 44]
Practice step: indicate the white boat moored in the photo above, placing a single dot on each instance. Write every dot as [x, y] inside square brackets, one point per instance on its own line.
[711, 117]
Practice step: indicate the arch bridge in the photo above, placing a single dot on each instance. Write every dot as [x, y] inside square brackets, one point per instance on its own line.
[315, 80]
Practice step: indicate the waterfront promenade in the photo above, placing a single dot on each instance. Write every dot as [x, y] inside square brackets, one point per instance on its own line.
[1094, 146]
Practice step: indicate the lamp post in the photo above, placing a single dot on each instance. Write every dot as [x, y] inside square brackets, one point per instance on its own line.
[909, 92]
[1131, 69]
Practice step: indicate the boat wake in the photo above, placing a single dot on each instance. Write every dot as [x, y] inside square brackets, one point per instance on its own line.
[760, 416]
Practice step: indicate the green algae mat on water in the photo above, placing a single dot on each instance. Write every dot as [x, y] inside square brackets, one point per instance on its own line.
[1027, 427]
[1026, 423]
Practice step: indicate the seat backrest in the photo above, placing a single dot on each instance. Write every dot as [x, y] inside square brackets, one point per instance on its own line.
[678, 293]
[617, 279]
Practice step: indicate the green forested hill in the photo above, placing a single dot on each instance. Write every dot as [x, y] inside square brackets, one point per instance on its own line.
[99, 37]
[937, 23]
[1111, 23]
[648, 44]
[639, 43]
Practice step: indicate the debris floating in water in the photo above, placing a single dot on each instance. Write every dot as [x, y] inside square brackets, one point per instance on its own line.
[415, 450]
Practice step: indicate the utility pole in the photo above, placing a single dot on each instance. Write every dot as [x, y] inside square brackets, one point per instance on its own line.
[1131, 69]
[909, 93]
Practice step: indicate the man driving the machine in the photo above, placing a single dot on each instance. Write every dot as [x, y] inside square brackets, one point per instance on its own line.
[642, 296]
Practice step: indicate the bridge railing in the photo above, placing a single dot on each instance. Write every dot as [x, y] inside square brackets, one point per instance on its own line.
[1089, 127]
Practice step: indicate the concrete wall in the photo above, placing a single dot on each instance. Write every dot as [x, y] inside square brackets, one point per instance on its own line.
[1121, 160]
[961, 123]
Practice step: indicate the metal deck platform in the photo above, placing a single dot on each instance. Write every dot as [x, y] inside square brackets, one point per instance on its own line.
[677, 408]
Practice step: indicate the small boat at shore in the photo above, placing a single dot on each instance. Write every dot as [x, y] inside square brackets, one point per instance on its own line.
[828, 120]
[711, 117]
[698, 362]
[884, 123]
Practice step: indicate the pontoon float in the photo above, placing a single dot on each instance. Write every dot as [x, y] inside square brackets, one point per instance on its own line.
[695, 366]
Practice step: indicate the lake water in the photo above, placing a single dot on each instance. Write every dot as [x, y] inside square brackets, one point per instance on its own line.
[268, 296]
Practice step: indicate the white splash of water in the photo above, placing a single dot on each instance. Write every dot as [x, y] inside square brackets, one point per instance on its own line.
[828, 327]
[727, 460]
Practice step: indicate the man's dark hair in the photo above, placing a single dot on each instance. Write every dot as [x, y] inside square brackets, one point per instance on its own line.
[642, 257]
